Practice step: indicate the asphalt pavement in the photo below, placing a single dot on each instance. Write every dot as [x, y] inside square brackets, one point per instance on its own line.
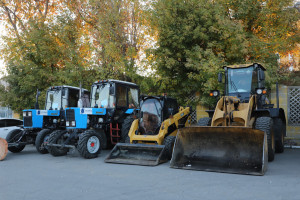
[32, 176]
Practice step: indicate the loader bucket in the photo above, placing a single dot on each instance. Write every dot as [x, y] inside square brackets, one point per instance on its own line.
[237, 150]
[3, 148]
[137, 154]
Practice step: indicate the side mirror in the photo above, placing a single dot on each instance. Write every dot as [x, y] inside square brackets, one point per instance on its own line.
[51, 98]
[261, 75]
[63, 92]
[220, 77]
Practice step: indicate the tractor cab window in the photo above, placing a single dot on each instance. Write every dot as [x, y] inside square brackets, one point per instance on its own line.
[101, 97]
[133, 98]
[239, 80]
[151, 117]
[53, 100]
[73, 97]
[121, 96]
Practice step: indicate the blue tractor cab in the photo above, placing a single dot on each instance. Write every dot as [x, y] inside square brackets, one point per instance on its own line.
[38, 124]
[95, 128]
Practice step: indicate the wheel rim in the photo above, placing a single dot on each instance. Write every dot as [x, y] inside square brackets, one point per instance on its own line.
[93, 144]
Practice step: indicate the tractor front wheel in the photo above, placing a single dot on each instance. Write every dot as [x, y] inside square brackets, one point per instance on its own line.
[57, 137]
[42, 140]
[15, 136]
[90, 143]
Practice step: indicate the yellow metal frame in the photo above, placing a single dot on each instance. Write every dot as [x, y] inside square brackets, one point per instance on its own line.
[229, 107]
[159, 138]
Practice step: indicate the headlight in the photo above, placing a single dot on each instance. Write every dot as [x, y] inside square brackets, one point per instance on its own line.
[29, 114]
[214, 93]
[54, 121]
[24, 114]
[100, 120]
[259, 91]
[73, 123]
[67, 123]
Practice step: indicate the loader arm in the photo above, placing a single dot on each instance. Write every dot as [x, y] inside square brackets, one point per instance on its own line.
[231, 112]
[168, 127]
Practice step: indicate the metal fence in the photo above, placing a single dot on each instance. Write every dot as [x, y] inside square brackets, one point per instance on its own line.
[6, 112]
[193, 113]
[294, 105]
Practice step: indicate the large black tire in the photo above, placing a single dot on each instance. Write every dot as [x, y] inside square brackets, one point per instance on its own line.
[266, 124]
[169, 144]
[12, 137]
[41, 139]
[205, 121]
[90, 143]
[126, 127]
[57, 137]
[279, 131]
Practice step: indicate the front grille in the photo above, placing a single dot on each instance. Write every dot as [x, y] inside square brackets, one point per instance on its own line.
[70, 115]
[27, 121]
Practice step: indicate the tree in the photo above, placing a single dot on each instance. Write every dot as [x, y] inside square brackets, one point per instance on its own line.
[195, 39]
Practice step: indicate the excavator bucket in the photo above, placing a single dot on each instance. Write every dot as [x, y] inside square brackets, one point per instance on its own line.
[3, 148]
[237, 150]
[137, 154]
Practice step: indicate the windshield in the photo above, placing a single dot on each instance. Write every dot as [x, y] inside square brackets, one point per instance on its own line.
[151, 118]
[239, 80]
[53, 100]
[101, 97]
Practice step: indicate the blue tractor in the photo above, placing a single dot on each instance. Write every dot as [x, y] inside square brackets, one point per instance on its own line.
[38, 124]
[89, 130]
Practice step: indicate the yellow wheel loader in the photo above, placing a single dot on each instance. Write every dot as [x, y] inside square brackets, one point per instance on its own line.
[239, 136]
[150, 138]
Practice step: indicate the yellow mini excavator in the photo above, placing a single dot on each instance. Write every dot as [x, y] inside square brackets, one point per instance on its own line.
[239, 135]
[150, 138]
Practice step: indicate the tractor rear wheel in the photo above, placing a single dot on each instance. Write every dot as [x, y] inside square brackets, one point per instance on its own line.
[90, 143]
[279, 130]
[126, 127]
[14, 136]
[266, 124]
[205, 121]
[169, 144]
[41, 141]
[57, 137]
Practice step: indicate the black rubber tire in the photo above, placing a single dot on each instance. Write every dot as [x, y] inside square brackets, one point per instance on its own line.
[266, 124]
[127, 140]
[126, 127]
[279, 131]
[82, 146]
[205, 121]
[169, 144]
[13, 136]
[55, 138]
[39, 141]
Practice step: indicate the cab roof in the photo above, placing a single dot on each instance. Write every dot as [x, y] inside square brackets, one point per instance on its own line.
[116, 81]
[245, 65]
[67, 86]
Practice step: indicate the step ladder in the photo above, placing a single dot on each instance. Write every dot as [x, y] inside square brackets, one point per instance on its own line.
[115, 133]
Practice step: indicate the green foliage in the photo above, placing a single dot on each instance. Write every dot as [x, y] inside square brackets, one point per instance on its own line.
[90, 40]
[195, 39]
